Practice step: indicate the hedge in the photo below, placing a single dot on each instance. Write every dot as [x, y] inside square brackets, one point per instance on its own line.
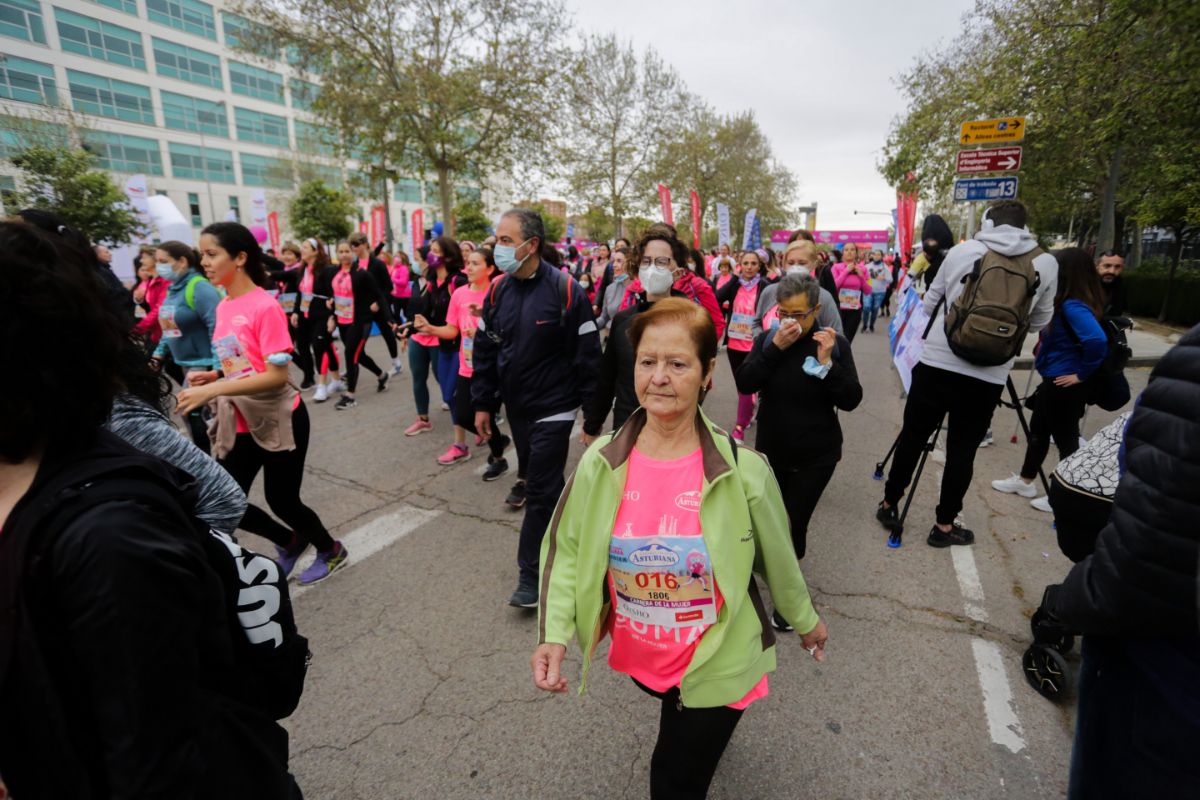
[1145, 295]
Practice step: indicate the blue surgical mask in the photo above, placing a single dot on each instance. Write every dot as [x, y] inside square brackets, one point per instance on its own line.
[506, 258]
[164, 271]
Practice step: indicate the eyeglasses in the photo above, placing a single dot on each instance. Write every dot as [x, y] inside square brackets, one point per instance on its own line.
[661, 261]
[798, 316]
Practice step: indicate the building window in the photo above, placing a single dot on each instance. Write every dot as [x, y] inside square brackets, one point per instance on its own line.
[187, 64]
[264, 171]
[303, 93]
[22, 19]
[128, 6]
[241, 32]
[313, 139]
[407, 191]
[194, 210]
[121, 153]
[103, 40]
[255, 126]
[235, 208]
[190, 16]
[201, 163]
[92, 94]
[330, 176]
[27, 81]
[184, 113]
[255, 82]
[18, 134]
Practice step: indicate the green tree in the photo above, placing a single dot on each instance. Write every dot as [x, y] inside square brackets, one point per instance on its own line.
[63, 180]
[321, 211]
[470, 221]
[449, 87]
[598, 224]
[556, 227]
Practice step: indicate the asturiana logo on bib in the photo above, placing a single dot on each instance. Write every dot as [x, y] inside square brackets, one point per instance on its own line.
[688, 501]
[653, 555]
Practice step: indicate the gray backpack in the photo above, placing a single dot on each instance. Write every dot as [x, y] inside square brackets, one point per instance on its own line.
[987, 323]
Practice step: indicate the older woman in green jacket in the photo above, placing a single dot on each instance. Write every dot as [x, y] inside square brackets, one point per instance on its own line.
[655, 541]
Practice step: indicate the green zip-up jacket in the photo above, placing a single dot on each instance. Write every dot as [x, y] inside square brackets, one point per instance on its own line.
[745, 528]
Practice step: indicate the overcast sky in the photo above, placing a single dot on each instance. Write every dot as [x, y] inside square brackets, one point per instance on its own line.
[788, 60]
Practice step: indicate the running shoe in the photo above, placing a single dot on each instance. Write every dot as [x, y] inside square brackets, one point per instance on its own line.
[1042, 504]
[321, 394]
[987, 439]
[455, 454]
[739, 433]
[525, 596]
[479, 440]
[345, 401]
[516, 498]
[779, 623]
[383, 382]
[307, 384]
[956, 535]
[419, 426]
[397, 366]
[495, 468]
[336, 385]
[887, 517]
[325, 564]
[445, 406]
[1013, 484]
[286, 558]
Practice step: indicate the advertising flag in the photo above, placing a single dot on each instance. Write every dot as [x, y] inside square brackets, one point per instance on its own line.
[664, 202]
[752, 232]
[258, 209]
[906, 218]
[418, 229]
[378, 223]
[273, 230]
[363, 226]
[723, 235]
[695, 220]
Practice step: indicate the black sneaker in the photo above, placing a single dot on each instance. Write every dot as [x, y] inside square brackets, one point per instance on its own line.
[887, 517]
[526, 596]
[383, 382]
[516, 498]
[957, 535]
[779, 623]
[307, 384]
[344, 402]
[495, 468]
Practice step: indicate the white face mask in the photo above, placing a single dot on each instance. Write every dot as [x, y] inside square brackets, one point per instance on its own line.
[798, 269]
[657, 280]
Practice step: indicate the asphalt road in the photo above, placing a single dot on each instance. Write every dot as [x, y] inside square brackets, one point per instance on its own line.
[420, 684]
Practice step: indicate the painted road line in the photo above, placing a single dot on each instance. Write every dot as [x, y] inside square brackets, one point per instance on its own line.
[968, 583]
[373, 537]
[998, 704]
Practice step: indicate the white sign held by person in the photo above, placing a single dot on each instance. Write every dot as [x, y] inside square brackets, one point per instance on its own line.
[123, 256]
[723, 236]
[906, 335]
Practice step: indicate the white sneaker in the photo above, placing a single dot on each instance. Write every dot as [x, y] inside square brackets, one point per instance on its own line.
[336, 386]
[397, 366]
[1015, 485]
[1042, 504]
[987, 439]
[321, 393]
[445, 407]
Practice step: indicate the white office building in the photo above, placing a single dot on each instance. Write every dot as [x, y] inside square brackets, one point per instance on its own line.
[156, 87]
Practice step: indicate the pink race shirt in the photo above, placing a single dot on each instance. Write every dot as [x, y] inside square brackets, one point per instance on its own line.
[460, 316]
[741, 321]
[343, 297]
[250, 328]
[659, 574]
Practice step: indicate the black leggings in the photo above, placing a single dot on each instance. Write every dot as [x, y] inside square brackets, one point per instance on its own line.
[354, 339]
[386, 333]
[400, 309]
[690, 744]
[464, 416]
[283, 471]
[1056, 413]
[802, 490]
[851, 319]
[324, 352]
[302, 337]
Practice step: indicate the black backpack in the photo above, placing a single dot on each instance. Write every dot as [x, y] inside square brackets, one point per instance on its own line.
[1108, 387]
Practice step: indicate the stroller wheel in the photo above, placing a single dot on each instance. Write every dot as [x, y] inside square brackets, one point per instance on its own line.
[1046, 671]
[1065, 644]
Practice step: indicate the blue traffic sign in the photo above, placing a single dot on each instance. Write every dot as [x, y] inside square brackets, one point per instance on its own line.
[971, 189]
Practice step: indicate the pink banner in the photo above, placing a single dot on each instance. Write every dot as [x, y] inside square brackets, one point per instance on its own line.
[377, 225]
[418, 229]
[664, 201]
[273, 230]
[871, 238]
[781, 237]
[906, 218]
[695, 220]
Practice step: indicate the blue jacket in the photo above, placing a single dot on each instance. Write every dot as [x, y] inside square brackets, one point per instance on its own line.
[530, 356]
[1063, 354]
[193, 348]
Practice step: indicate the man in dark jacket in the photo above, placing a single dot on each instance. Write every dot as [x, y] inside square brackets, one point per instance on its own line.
[1110, 264]
[1134, 600]
[383, 280]
[537, 350]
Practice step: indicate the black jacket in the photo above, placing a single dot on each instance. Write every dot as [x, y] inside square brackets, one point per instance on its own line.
[616, 373]
[535, 349]
[365, 290]
[1114, 298]
[433, 303]
[797, 415]
[1141, 581]
[117, 667]
[383, 281]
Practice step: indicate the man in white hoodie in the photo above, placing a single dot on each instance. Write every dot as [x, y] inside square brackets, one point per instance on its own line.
[945, 385]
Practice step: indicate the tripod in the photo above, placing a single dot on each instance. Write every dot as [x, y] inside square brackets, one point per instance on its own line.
[897, 533]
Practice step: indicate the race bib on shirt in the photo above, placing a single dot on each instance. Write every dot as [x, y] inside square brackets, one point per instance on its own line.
[288, 301]
[741, 327]
[166, 320]
[343, 307]
[663, 580]
[468, 350]
[306, 299]
[850, 299]
[233, 358]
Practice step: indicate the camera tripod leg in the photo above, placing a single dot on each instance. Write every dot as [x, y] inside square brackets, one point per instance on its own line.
[1016, 403]
[895, 537]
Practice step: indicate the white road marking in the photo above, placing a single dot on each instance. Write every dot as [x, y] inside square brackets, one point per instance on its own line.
[968, 582]
[998, 704]
[368, 540]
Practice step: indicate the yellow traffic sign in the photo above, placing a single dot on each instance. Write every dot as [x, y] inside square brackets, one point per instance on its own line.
[986, 131]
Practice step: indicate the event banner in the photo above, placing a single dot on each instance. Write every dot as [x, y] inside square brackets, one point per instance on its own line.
[876, 240]
[664, 202]
[273, 230]
[258, 208]
[906, 335]
[752, 233]
[723, 236]
[906, 218]
[695, 220]
[418, 229]
[378, 224]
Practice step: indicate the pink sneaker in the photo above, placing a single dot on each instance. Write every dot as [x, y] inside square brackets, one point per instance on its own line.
[455, 454]
[739, 433]
[420, 426]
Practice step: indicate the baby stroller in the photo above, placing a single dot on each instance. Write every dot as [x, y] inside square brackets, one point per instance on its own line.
[1044, 662]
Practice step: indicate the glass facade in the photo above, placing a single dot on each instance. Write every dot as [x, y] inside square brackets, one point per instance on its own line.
[121, 153]
[201, 163]
[255, 82]
[105, 97]
[22, 19]
[191, 16]
[27, 81]
[184, 113]
[187, 64]
[264, 171]
[97, 39]
[255, 126]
